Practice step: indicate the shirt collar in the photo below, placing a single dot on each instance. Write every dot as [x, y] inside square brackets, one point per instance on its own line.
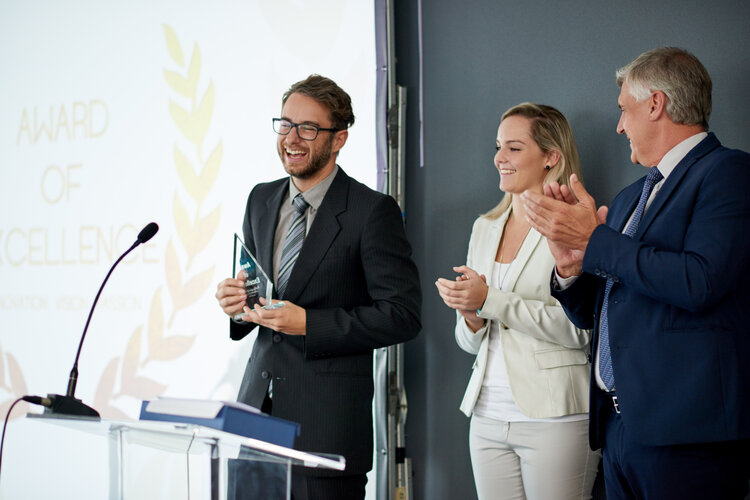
[314, 196]
[675, 155]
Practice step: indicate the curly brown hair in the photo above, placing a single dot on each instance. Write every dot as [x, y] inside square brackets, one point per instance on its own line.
[325, 91]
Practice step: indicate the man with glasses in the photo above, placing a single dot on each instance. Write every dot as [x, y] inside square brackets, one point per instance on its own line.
[342, 268]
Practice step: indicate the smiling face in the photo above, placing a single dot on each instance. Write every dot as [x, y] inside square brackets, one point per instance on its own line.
[308, 162]
[519, 159]
[635, 124]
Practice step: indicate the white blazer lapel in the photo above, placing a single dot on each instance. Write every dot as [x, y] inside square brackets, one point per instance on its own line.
[488, 252]
[524, 253]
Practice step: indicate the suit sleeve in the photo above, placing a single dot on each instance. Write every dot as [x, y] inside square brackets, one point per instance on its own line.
[466, 339]
[239, 330]
[701, 269]
[579, 299]
[393, 312]
[534, 317]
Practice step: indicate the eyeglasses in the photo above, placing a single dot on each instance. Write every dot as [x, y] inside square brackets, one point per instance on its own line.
[306, 131]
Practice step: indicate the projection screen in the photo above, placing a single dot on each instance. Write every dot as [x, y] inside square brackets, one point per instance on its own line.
[115, 114]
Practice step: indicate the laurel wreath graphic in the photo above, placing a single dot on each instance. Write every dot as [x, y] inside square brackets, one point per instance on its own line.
[193, 235]
[16, 383]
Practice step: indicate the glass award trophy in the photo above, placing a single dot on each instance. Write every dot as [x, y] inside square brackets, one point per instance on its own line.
[257, 283]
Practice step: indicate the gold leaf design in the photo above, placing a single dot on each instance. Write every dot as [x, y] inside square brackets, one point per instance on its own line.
[205, 110]
[209, 174]
[195, 238]
[193, 233]
[173, 45]
[5, 406]
[199, 186]
[184, 294]
[155, 322]
[172, 268]
[2, 370]
[143, 387]
[182, 223]
[106, 387]
[17, 386]
[17, 382]
[171, 348]
[194, 71]
[132, 355]
[194, 126]
[194, 288]
[184, 122]
[186, 172]
[205, 229]
[132, 383]
[179, 83]
[159, 347]
[105, 391]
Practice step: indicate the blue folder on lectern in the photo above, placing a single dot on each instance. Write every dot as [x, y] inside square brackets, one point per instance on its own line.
[237, 418]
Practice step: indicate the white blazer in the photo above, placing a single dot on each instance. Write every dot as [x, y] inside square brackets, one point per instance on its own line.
[544, 353]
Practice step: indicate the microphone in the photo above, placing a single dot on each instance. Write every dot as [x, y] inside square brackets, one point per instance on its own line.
[146, 233]
[68, 404]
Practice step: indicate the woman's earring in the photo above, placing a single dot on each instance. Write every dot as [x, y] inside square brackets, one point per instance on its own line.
[547, 167]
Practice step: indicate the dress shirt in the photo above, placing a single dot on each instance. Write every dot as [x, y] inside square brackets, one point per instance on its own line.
[314, 197]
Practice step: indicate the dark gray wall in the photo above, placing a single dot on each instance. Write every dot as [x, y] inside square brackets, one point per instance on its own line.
[480, 58]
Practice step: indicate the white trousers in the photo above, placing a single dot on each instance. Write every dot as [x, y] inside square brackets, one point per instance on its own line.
[532, 460]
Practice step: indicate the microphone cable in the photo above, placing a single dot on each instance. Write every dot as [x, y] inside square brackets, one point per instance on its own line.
[36, 400]
[5, 427]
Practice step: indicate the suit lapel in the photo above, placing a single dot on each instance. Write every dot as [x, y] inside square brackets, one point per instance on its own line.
[493, 244]
[527, 247]
[267, 228]
[670, 185]
[486, 264]
[617, 219]
[321, 235]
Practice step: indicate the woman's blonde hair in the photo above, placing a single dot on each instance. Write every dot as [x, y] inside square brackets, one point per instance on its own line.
[551, 131]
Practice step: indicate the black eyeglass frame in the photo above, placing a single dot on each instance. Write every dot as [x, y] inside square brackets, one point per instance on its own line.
[293, 125]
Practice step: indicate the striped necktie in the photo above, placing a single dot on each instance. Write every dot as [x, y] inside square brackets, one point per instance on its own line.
[605, 357]
[295, 237]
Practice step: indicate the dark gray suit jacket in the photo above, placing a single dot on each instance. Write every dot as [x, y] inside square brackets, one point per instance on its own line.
[360, 288]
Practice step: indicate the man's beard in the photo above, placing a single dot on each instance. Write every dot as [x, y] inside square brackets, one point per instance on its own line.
[316, 164]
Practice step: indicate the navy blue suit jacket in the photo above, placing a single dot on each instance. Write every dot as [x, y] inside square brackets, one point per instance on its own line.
[360, 288]
[679, 311]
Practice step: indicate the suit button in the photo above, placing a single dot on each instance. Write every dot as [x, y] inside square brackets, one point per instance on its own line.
[276, 338]
[265, 374]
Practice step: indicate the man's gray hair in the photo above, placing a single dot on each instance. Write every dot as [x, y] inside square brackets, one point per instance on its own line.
[677, 73]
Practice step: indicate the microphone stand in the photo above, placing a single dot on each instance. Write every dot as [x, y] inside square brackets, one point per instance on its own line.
[69, 404]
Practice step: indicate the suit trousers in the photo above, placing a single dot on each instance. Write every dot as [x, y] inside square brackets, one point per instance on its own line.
[532, 460]
[679, 472]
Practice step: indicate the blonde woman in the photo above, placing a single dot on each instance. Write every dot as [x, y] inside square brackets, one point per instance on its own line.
[528, 393]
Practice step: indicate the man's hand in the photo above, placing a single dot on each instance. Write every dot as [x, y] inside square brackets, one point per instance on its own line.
[466, 294]
[288, 318]
[566, 219]
[231, 294]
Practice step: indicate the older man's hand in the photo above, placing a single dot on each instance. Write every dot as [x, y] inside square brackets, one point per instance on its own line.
[567, 219]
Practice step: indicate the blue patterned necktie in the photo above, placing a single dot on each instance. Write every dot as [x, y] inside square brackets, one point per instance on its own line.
[605, 357]
[295, 237]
